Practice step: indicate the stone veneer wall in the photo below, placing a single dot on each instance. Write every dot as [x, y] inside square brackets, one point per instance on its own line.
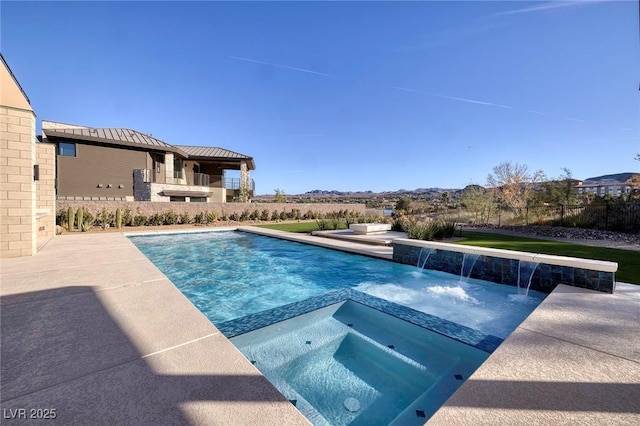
[17, 187]
[148, 208]
[505, 271]
[46, 192]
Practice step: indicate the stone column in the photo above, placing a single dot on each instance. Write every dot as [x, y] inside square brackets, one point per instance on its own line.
[17, 186]
[168, 167]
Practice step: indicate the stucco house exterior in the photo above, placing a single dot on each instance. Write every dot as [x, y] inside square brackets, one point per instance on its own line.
[126, 165]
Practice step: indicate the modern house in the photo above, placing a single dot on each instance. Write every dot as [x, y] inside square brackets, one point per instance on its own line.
[127, 165]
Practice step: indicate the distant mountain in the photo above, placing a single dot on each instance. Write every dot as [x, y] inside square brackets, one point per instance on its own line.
[321, 193]
[615, 178]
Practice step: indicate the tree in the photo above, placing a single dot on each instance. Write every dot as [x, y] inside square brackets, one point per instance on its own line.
[403, 205]
[477, 200]
[279, 197]
[513, 184]
[558, 191]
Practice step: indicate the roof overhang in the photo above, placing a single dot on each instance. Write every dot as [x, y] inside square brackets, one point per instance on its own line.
[177, 193]
[89, 138]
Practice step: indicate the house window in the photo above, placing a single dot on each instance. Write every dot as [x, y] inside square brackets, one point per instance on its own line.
[176, 198]
[178, 165]
[198, 199]
[67, 149]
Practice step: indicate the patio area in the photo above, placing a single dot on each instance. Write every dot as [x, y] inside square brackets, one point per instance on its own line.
[92, 329]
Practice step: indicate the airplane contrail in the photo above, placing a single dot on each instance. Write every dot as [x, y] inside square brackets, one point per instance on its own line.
[471, 101]
[279, 66]
[547, 6]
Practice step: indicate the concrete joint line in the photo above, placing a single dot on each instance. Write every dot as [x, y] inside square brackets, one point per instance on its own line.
[582, 346]
[109, 368]
[180, 345]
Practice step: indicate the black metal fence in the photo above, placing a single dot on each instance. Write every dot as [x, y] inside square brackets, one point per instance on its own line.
[617, 216]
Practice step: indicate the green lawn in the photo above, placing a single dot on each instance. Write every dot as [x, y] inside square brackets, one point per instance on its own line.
[304, 227]
[628, 261]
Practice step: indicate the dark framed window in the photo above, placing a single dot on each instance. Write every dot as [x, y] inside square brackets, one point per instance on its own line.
[177, 199]
[198, 199]
[67, 149]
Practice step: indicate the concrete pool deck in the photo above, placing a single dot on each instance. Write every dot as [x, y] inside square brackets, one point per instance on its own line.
[91, 328]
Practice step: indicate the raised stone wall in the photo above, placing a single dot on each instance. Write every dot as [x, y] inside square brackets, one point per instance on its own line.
[148, 208]
[46, 192]
[17, 187]
[502, 270]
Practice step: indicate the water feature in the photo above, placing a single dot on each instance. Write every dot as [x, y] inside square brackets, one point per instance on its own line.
[468, 261]
[423, 256]
[525, 274]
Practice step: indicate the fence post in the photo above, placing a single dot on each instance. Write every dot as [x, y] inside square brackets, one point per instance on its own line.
[562, 215]
[606, 217]
[526, 216]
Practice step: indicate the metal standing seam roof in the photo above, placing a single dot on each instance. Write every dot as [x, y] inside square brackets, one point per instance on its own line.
[210, 152]
[117, 136]
[128, 137]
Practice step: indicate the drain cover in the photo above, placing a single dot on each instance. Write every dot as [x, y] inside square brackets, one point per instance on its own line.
[352, 404]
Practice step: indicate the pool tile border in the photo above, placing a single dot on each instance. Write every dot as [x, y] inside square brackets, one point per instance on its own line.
[469, 336]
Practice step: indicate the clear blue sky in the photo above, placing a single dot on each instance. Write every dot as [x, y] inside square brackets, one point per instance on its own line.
[346, 95]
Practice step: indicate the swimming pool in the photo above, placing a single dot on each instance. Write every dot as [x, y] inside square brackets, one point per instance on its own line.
[230, 274]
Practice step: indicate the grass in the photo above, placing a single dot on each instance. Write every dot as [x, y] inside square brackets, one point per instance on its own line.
[628, 261]
[303, 227]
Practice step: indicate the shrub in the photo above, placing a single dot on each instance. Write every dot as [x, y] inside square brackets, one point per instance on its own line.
[224, 217]
[139, 220]
[199, 218]
[169, 218]
[234, 216]
[264, 215]
[211, 217]
[156, 219]
[275, 215]
[87, 221]
[185, 219]
[398, 224]
[245, 215]
[105, 218]
[283, 215]
[255, 215]
[127, 218]
[420, 230]
[61, 218]
[323, 225]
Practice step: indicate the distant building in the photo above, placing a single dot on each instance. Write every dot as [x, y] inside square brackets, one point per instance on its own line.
[613, 185]
[127, 165]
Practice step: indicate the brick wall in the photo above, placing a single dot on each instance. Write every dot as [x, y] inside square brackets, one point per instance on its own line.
[46, 193]
[148, 208]
[17, 187]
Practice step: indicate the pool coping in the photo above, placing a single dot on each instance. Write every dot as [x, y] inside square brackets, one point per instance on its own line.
[178, 343]
[474, 338]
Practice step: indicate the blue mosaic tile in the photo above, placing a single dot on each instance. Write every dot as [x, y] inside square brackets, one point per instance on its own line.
[505, 271]
[477, 339]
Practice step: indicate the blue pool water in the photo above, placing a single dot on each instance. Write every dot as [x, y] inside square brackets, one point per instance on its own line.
[351, 364]
[230, 274]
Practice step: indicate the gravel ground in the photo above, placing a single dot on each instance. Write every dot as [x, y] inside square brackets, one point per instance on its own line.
[592, 237]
